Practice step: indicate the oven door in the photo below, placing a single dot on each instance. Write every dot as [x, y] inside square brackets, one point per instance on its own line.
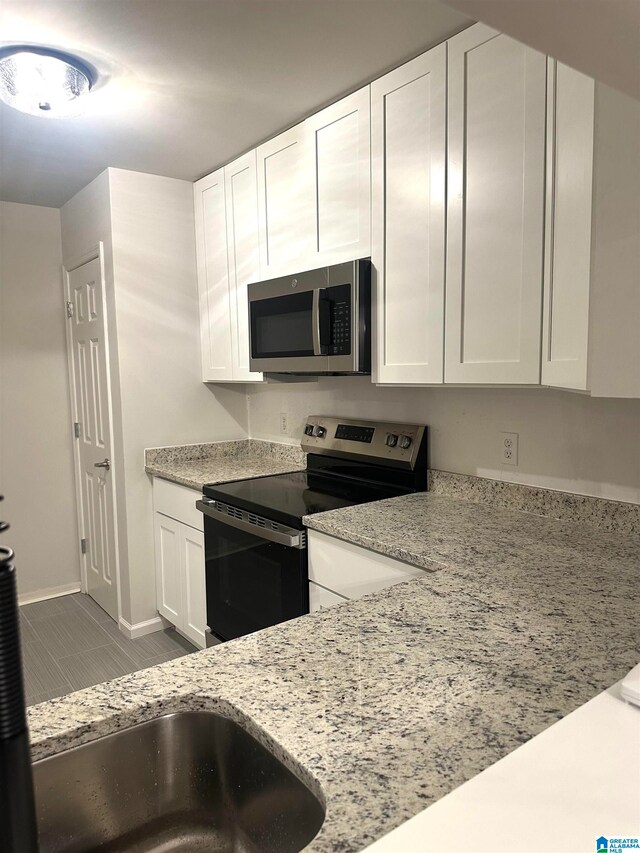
[255, 577]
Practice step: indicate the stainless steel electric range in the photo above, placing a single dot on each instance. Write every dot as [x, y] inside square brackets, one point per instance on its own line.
[255, 541]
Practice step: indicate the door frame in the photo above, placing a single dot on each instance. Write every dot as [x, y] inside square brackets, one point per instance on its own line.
[96, 252]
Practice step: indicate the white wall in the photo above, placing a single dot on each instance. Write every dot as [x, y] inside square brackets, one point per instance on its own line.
[36, 460]
[164, 400]
[146, 225]
[567, 441]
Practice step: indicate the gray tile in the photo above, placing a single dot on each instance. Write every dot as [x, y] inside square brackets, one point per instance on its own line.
[162, 659]
[95, 666]
[149, 646]
[36, 698]
[69, 633]
[92, 608]
[27, 634]
[50, 607]
[42, 675]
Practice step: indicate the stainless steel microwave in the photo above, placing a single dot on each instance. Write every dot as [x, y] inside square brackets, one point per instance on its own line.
[316, 322]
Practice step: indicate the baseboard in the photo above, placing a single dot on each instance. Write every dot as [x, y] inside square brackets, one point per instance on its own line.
[52, 592]
[139, 629]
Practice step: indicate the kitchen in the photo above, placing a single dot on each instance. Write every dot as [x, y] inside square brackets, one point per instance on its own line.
[502, 324]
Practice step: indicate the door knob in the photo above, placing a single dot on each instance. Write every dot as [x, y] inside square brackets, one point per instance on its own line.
[106, 464]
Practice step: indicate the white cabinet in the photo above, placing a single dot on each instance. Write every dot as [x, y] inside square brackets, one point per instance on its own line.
[347, 571]
[340, 159]
[285, 193]
[179, 549]
[408, 125]
[495, 209]
[321, 598]
[241, 193]
[226, 215]
[213, 277]
[314, 189]
[592, 257]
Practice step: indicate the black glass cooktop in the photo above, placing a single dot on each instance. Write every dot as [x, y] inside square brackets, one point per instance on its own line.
[288, 497]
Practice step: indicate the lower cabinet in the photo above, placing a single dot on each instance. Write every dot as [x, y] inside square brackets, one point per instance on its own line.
[340, 571]
[179, 550]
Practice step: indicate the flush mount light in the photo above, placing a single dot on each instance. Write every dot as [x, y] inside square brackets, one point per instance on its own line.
[43, 82]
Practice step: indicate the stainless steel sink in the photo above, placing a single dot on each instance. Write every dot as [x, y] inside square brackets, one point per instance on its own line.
[192, 781]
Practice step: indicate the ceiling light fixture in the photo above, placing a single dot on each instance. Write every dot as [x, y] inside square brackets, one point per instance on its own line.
[43, 82]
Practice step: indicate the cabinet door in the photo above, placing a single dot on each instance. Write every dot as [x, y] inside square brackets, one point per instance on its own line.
[565, 319]
[340, 139]
[350, 571]
[194, 596]
[408, 220]
[167, 533]
[213, 279]
[285, 194]
[497, 93]
[241, 193]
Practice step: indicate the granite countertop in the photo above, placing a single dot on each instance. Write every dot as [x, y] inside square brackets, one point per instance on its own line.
[386, 704]
[195, 465]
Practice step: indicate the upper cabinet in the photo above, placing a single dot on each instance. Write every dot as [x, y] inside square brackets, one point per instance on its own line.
[340, 146]
[592, 255]
[241, 191]
[495, 209]
[285, 191]
[314, 190]
[408, 125]
[213, 277]
[497, 194]
[226, 211]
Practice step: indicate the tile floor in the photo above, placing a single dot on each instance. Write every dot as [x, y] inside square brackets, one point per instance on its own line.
[69, 643]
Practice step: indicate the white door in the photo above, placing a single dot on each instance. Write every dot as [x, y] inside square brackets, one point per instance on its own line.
[495, 206]
[213, 278]
[408, 126]
[92, 406]
[285, 194]
[340, 140]
[241, 193]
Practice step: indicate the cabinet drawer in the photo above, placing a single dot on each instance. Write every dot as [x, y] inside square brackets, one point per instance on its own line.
[177, 502]
[351, 571]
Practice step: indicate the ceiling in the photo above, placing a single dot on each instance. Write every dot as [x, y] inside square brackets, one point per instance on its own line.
[599, 37]
[187, 85]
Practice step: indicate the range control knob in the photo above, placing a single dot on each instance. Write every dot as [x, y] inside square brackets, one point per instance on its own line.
[391, 440]
[404, 441]
[319, 431]
[308, 429]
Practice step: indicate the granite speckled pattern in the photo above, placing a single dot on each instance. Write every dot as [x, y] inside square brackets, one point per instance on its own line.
[564, 506]
[388, 703]
[195, 465]
[431, 531]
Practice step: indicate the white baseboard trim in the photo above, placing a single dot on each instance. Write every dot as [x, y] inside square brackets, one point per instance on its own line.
[142, 628]
[52, 592]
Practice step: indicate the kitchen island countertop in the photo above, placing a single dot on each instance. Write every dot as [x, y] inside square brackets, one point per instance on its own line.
[386, 704]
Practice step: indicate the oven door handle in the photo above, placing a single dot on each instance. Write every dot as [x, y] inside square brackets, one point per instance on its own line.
[295, 539]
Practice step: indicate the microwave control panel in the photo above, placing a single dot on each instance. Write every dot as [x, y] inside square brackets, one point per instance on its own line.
[340, 314]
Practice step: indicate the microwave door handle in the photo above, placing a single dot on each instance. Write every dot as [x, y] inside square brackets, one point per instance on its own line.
[316, 322]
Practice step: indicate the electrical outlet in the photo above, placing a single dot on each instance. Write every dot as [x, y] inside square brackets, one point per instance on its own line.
[509, 448]
[284, 423]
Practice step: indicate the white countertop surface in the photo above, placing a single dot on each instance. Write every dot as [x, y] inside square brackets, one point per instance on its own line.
[576, 781]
